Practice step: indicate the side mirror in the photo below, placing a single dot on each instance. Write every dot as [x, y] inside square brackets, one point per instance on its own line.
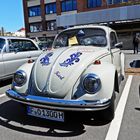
[119, 45]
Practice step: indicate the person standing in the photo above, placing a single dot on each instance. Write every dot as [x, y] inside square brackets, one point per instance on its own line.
[136, 43]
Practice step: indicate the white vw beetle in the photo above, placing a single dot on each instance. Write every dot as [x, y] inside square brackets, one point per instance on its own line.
[82, 72]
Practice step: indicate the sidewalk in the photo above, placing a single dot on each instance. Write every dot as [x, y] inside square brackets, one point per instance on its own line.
[130, 57]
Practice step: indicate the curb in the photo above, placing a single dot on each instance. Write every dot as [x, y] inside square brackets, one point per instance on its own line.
[132, 71]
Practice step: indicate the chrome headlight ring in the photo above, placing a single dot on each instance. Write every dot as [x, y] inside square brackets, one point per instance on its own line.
[91, 83]
[20, 78]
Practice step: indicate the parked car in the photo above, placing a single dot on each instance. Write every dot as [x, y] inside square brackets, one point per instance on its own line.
[81, 73]
[14, 52]
[44, 43]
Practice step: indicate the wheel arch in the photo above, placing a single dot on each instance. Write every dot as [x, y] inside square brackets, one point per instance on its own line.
[116, 82]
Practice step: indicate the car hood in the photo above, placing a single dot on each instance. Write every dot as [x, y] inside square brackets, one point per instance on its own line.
[56, 72]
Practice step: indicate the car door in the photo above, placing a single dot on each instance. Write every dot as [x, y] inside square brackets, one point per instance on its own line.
[1, 66]
[33, 49]
[15, 56]
[2, 45]
[116, 54]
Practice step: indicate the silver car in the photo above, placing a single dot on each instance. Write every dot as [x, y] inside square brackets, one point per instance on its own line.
[14, 52]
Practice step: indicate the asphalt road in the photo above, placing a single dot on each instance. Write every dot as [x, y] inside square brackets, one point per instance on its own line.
[15, 125]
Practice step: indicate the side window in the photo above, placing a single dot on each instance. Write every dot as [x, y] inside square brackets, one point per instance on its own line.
[113, 39]
[17, 45]
[13, 46]
[29, 46]
[2, 43]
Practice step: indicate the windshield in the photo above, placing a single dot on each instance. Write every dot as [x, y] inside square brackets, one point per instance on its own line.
[86, 36]
[2, 42]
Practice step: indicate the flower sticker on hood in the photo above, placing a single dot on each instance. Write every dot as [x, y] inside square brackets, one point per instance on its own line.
[46, 59]
[74, 58]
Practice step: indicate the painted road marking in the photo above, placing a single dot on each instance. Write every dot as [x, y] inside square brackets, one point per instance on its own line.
[2, 95]
[115, 125]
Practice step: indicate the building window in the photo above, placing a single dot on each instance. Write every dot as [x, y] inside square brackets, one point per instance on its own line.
[51, 25]
[34, 11]
[51, 8]
[68, 5]
[116, 1]
[94, 3]
[109, 2]
[35, 27]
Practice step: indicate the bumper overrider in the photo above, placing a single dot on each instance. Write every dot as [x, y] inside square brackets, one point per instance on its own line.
[59, 104]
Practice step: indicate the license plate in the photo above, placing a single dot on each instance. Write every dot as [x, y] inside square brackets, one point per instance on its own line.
[45, 113]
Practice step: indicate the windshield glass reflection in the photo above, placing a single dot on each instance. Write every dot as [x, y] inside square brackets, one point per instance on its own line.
[81, 37]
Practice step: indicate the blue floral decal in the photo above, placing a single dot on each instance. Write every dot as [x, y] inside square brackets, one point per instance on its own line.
[46, 59]
[73, 58]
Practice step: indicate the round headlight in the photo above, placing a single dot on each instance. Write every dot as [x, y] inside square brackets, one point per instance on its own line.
[20, 78]
[91, 83]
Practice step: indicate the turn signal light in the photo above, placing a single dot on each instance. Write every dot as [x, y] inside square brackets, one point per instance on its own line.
[30, 61]
[97, 62]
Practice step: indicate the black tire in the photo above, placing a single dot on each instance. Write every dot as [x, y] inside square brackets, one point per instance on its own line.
[108, 113]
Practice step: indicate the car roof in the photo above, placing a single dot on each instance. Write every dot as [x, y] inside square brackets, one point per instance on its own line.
[106, 28]
[12, 37]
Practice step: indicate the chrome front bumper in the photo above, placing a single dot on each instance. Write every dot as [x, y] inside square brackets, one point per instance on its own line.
[59, 104]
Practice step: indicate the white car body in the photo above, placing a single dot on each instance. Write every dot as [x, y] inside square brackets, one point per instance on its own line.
[61, 78]
[11, 58]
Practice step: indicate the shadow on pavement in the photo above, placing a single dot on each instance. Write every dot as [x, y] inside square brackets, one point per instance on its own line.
[138, 109]
[5, 82]
[11, 111]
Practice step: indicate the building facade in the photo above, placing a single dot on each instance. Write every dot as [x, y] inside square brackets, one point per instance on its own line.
[45, 18]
